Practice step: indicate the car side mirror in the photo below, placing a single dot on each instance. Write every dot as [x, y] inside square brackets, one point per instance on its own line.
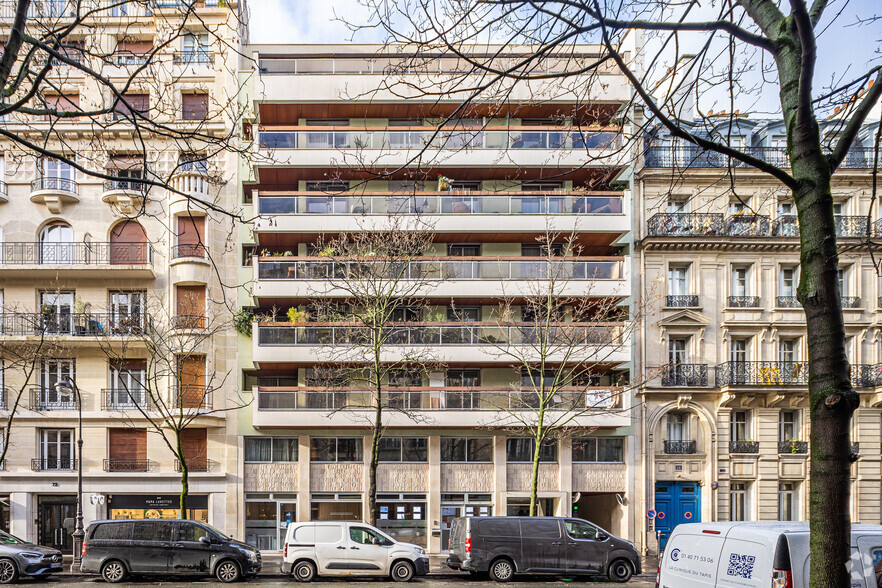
[378, 541]
[601, 536]
[205, 539]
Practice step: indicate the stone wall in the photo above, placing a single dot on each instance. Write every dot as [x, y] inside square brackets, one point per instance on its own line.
[466, 477]
[599, 477]
[271, 477]
[518, 477]
[336, 477]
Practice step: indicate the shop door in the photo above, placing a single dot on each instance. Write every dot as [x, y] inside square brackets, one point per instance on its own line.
[56, 521]
[448, 513]
[680, 502]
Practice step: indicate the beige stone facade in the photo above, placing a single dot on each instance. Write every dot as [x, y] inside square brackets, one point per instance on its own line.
[85, 266]
[723, 344]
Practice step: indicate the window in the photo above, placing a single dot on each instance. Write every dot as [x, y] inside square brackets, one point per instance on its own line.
[739, 282]
[335, 449]
[788, 351]
[194, 106]
[127, 385]
[521, 449]
[405, 379]
[51, 372]
[57, 239]
[464, 314]
[677, 351]
[132, 106]
[678, 426]
[787, 282]
[843, 281]
[196, 48]
[786, 209]
[407, 449]
[540, 528]
[739, 350]
[60, 104]
[364, 536]
[463, 450]
[463, 378]
[787, 499]
[191, 532]
[676, 205]
[125, 305]
[678, 280]
[788, 425]
[738, 501]
[736, 207]
[153, 530]
[581, 530]
[463, 250]
[270, 449]
[57, 449]
[599, 449]
[740, 425]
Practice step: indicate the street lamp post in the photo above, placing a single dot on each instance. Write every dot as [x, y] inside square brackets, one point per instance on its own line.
[65, 388]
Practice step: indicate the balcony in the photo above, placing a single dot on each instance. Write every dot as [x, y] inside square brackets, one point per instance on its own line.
[685, 374]
[681, 447]
[686, 225]
[195, 464]
[54, 193]
[126, 58]
[866, 375]
[189, 322]
[851, 301]
[793, 447]
[193, 58]
[689, 156]
[61, 464]
[743, 301]
[189, 250]
[193, 397]
[762, 373]
[453, 203]
[787, 302]
[126, 194]
[126, 465]
[46, 399]
[743, 446]
[679, 301]
[125, 400]
[55, 324]
[49, 259]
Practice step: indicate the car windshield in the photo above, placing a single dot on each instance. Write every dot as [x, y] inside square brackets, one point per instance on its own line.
[7, 538]
[216, 531]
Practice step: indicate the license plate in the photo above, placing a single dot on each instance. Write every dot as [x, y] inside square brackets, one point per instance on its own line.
[56, 565]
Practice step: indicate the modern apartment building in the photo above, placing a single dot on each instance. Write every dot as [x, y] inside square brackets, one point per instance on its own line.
[723, 344]
[87, 265]
[338, 150]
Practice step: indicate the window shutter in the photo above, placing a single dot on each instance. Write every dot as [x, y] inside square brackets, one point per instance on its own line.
[195, 106]
[195, 443]
[127, 444]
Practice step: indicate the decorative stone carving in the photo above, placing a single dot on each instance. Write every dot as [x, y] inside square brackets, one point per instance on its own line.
[403, 477]
[336, 477]
[599, 477]
[270, 477]
[467, 477]
[518, 477]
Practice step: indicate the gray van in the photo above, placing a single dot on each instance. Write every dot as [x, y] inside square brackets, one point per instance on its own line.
[165, 547]
[505, 546]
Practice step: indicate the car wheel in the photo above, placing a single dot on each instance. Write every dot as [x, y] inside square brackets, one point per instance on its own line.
[113, 571]
[8, 571]
[620, 571]
[304, 571]
[402, 571]
[501, 570]
[228, 571]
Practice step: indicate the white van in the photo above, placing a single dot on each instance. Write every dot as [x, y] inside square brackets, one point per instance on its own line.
[772, 554]
[339, 548]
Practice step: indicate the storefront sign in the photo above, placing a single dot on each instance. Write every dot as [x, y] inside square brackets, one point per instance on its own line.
[157, 501]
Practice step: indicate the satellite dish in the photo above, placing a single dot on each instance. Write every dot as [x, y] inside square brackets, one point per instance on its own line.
[621, 500]
[576, 497]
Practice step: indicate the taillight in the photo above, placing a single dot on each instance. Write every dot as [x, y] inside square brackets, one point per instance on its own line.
[285, 551]
[83, 552]
[658, 574]
[782, 579]
[468, 545]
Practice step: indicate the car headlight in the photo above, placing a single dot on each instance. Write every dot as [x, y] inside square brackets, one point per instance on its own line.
[419, 550]
[31, 555]
[252, 555]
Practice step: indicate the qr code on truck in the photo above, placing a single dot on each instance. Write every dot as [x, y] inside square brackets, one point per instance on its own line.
[741, 565]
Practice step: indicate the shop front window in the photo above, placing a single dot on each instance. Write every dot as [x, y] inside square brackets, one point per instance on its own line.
[403, 517]
[157, 506]
[267, 517]
[335, 507]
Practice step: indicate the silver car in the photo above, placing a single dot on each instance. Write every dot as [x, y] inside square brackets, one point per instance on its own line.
[19, 558]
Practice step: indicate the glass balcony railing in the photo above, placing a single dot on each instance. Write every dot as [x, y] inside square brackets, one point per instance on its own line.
[444, 203]
[456, 268]
[483, 398]
[460, 138]
[457, 334]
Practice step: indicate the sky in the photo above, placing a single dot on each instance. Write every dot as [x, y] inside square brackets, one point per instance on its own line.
[316, 21]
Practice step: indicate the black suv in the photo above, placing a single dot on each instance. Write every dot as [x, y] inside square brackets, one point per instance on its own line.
[165, 547]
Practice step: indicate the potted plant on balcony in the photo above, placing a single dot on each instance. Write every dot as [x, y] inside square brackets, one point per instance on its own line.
[444, 183]
[297, 316]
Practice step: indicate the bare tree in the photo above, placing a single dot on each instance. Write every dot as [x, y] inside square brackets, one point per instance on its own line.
[373, 292]
[169, 378]
[741, 50]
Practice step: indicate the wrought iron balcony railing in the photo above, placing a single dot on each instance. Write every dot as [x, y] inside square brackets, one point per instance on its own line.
[60, 464]
[793, 447]
[43, 399]
[433, 398]
[685, 374]
[681, 447]
[27, 253]
[126, 465]
[448, 268]
[418, 334]
[866, 375]
[188, 250]
[690, 156]
[851, 302]
[748, 225]
[55, 184]
[192, 396]
[743, 446]
[194, 322]
[132, 399]
[683, 224]
[690, 300]
[195, 464]
[847, 227]
[130, 184]
[743, 301]
[787, 302]
[762, 373]
[452, 202]
[191, 57]
[786, 225]
[56, 324]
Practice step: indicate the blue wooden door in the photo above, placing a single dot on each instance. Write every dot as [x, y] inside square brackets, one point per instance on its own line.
[675, 503]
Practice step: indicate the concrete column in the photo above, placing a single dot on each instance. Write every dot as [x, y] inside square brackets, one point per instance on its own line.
[565, 473]
[22, 516]
[433, 507]
[366, 478]
[303, 478]
[500, 482]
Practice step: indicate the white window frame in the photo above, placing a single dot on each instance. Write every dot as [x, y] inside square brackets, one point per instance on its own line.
[795, 424]
[788, 492]
[783, 288]
[739, 490]
[740, 420]
[677, 421]
[735, 278]
[678, 279]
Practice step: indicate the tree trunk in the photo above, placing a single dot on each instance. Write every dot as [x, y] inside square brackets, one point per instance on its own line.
[534, 480]
[372, 467]
[185, 478]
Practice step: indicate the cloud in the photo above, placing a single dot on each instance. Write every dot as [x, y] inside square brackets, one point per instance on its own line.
[306, 21]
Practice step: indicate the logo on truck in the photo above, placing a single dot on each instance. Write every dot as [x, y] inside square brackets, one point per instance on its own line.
[675, 555]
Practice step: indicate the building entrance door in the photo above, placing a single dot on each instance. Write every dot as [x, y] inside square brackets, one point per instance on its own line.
[56, 519]
[680, 502]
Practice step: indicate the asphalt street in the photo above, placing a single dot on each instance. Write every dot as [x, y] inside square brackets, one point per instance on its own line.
[419, 583]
